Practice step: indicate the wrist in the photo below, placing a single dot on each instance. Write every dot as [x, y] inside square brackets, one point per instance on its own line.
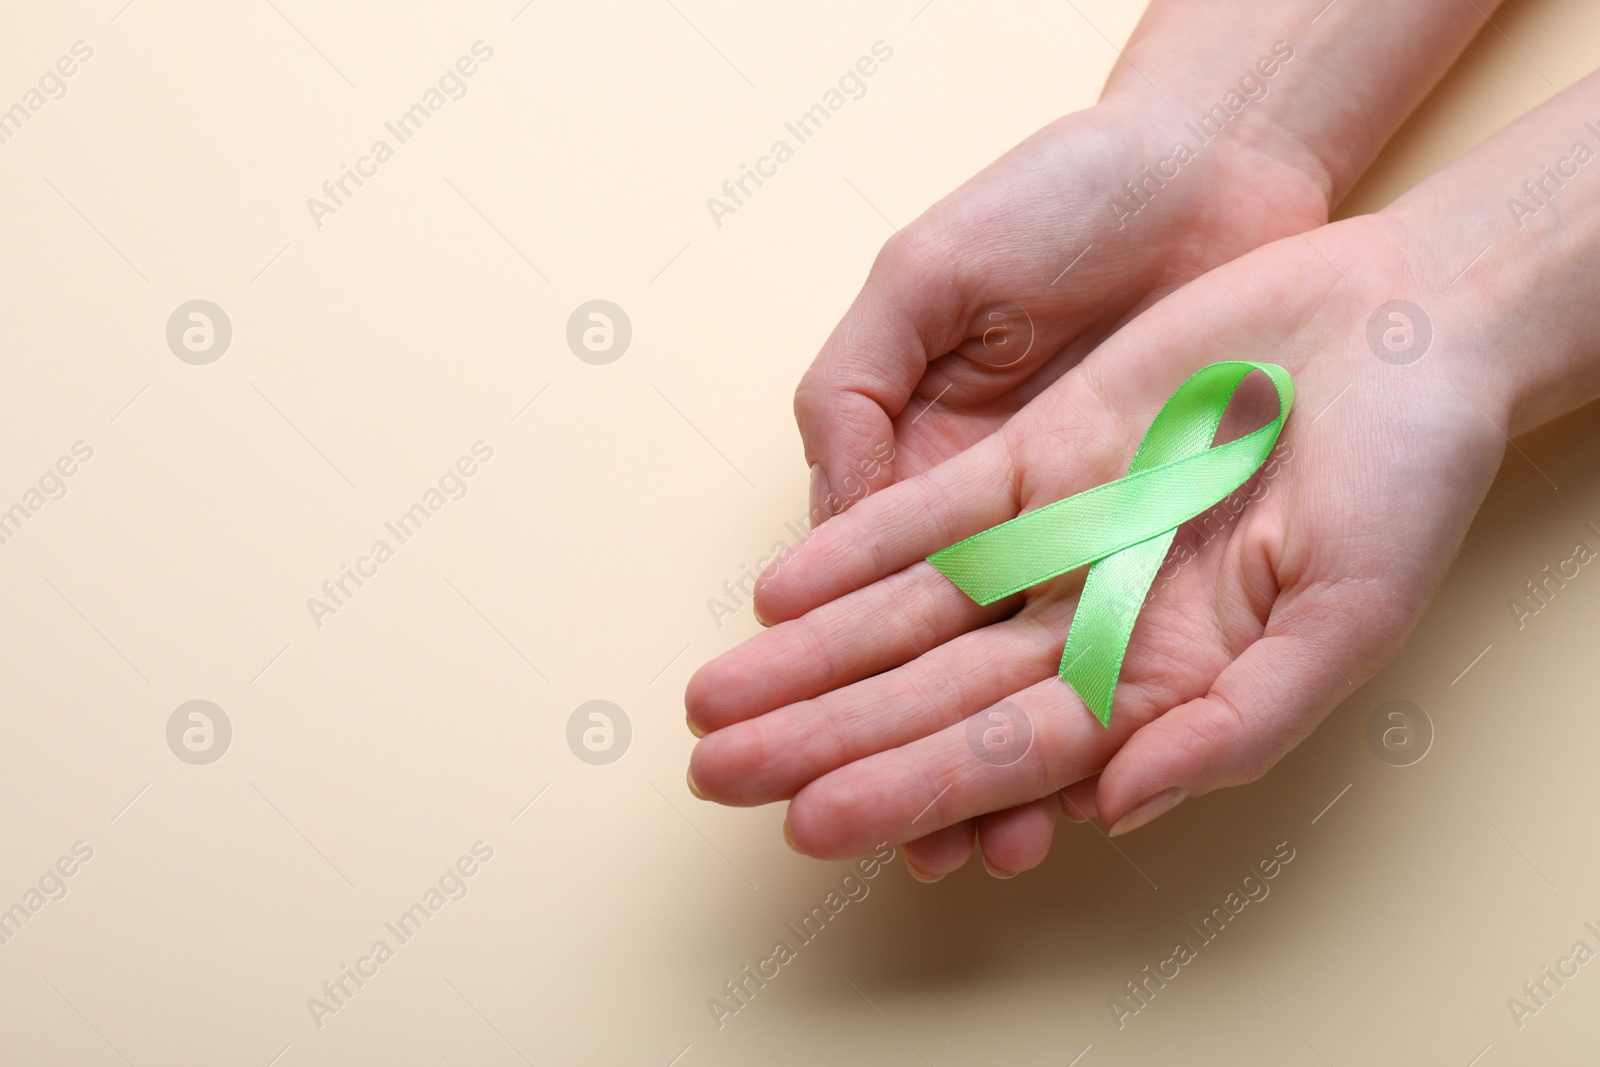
[1312, 85]
[1229, 114]
[1218, 190]
[1509, 292]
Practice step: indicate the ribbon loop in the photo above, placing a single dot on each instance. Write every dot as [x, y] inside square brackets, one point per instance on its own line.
[1122, 529]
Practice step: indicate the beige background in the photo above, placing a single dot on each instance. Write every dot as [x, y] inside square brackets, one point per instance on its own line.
[368, 754]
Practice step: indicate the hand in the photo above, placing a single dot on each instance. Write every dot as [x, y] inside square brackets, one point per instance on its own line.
[855, 704]
[997, 290]
[988, 297]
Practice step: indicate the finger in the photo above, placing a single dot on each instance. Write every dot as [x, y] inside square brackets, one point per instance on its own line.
[1260, 706]
[891, 530]
[1017, 839]
[929, 326]
[1077, 800]
[932, 857]
[961, 772]
[845, 640]
[981, 487]
[910, 311]
[771, 757]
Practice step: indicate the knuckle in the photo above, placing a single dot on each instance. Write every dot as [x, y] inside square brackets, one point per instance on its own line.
[921, 255]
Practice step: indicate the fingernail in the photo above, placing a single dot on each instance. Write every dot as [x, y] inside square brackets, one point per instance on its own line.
[787, 836]
[820, 491]
[692, 787]
[1074, 811]
[997, 873]
[693, 729]
[919, 876]
[1159, 804]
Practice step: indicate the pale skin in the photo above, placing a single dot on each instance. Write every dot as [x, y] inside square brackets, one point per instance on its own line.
[1050, 227]
[1036, 243]
[853, 705]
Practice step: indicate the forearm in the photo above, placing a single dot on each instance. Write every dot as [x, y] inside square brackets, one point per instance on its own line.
[1319, 86]
[1504, 246]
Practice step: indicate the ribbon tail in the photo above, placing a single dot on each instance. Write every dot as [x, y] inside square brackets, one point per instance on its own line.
[1113, 595]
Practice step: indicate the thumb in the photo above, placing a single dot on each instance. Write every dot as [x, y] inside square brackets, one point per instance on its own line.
[1260, 707]
[910, 311]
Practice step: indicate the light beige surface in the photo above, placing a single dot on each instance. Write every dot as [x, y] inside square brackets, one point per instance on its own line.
[371, 752]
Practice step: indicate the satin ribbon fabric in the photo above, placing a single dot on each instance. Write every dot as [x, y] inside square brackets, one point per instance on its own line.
[1122, 529]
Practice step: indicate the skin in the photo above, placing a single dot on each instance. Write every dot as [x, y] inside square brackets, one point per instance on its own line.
[1009, 282]
[853, 705]
[1260, 619]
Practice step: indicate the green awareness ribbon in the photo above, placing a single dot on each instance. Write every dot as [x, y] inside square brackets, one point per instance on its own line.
[1122, 528]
